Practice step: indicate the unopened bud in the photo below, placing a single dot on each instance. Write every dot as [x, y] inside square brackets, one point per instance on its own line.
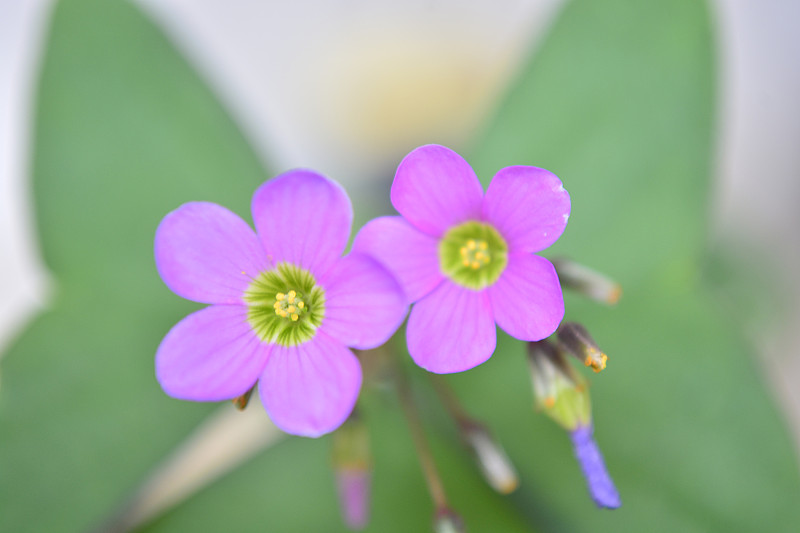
[352, 463]
[599, 483]
[447, 521]
[241, 401]
[559, 391]
[492, 459]
[586, 281]
[574, 338]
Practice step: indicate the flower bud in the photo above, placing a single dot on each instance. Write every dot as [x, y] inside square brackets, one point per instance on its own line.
[352, 464]
[559, 391]
[586, 281]
[574, 338]
[492, 459]
[600, 485]
[447, 521]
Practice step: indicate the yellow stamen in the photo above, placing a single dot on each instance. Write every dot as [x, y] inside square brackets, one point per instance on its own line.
[483, 245]
[291, 309]
[597, 363]
[301, 304]
[295, 317]
[291, 296]
[280, 296]
[549, 402]
[475, 265]
[471, 244]
[465, 262]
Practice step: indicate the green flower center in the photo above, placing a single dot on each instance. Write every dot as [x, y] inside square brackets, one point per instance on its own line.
[285, 305]
[473, 254]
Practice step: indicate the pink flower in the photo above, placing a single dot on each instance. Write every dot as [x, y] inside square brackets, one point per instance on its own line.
[466, 258]
[285, 304]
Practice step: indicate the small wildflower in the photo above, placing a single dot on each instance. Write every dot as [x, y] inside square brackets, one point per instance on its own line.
[285, 306]
[563, 396]
[587, 281]
[467, 259]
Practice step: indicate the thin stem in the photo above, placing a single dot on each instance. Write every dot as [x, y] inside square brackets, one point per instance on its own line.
[432, 478]
[452, 404]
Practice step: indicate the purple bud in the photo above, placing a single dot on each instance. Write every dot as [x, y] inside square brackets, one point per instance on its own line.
[601, 487]
[353, 486]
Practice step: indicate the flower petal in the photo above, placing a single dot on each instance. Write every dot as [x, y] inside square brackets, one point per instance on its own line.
[435, 189]
[527, 301]
[304, 218]
[364, 305]
[310, 389]
[528, 206]
[451, 329]
[410, 255]
[207, 254]
[210, 355]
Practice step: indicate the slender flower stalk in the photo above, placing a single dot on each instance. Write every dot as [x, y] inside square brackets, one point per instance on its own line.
[429, 470]
[490, 456]
[587, 281]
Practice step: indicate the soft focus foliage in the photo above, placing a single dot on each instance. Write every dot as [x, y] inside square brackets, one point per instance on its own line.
[618, 103]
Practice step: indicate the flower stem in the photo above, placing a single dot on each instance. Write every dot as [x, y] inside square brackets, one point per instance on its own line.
[451, 403]
[432, 478]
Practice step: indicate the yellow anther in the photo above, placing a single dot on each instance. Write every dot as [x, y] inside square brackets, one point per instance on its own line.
[276, 305]
[549, 402]
[291, 309]
[464, 251]
[301, 304]
[471, 244]
[283, 313]
[475, 265]
[598, 363]
[280, 296]
[295, 317]
[465, 262]
[291, 296]
[483, 245]
[480, 255]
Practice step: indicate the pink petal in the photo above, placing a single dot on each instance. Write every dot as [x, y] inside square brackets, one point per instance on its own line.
[435, 189]
[451, 329]
[207, 254]
[310, 389]
[364, 305]
[410, 255]
[529, 207]
[210, 355]
[527, 301]
[303, 218]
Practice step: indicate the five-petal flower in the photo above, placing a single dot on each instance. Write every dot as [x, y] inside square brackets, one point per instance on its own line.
[467, 259]
[285, 305]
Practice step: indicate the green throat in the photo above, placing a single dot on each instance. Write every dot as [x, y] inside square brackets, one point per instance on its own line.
[285, 305]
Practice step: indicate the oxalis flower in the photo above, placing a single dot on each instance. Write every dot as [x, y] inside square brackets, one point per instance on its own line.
[466, 259]
[285, 304]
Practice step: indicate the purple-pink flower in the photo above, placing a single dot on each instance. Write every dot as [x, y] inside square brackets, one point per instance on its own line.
[285, 305]
[467, 259]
